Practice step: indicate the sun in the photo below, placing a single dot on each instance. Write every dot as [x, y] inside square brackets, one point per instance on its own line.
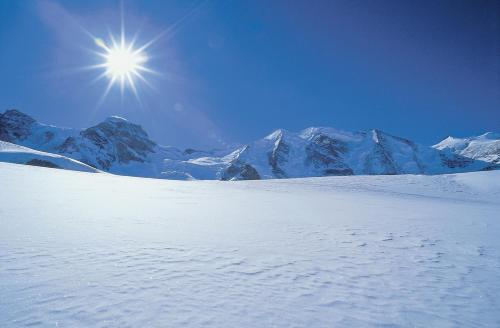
[123, 63]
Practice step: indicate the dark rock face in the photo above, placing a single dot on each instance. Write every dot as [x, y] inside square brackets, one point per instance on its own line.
[15, 125]
[240, 171]
[278, 156]
[455, 161]
[49, 136]
[68, 146]
[94, 137]
[346, 171]
[249, 173]
[491, 167]
[112, 141]
[380, 159]
[43, 163]
[384, 143]
[130, 141]
[324, 151]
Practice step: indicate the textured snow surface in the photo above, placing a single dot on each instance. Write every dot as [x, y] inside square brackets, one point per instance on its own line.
[97, 250]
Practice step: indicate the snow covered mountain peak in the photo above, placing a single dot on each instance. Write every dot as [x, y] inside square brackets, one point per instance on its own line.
[116, 119]
[107, 146]
[313, 132]
[485, 147]
[275, 135]
[113, 142]
[118, 146]
[121, 130]
[490, 135]
[323, 151]
[16, 115]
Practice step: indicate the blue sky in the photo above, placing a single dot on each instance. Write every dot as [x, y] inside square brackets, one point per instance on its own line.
[233, 71]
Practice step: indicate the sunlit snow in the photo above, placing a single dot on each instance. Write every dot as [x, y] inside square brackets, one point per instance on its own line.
[96, 250]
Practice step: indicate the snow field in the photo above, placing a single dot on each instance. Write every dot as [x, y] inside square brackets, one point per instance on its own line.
[97, 250]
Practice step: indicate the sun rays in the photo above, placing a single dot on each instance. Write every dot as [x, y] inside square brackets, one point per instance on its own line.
[123, 64]
[124, 61]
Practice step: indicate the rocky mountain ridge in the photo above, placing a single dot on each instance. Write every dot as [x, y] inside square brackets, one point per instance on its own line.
[121, 147]
[485, 147]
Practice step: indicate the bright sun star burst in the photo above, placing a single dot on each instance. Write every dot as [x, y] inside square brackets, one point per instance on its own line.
[123, 63]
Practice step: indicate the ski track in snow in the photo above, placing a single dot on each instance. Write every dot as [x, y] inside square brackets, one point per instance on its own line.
[96, 250]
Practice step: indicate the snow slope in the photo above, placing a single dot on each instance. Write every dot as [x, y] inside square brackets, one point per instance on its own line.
[13, 153]
[98, 250]
[485, 147]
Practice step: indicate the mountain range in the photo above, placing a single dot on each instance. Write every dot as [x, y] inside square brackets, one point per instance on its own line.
[122, 147]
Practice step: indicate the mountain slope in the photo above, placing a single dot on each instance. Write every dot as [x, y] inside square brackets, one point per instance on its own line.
[324, 152]
[485, 147]
[19, 128]
[119, 146]
[115, 145]
[13, 153]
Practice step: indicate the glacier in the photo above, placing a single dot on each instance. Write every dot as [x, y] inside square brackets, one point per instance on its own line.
[80, 249]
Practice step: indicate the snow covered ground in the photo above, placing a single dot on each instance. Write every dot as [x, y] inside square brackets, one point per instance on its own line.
[96, 250]
[13, 153]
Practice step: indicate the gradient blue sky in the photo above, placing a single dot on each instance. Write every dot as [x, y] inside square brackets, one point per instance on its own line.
[233, 71]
